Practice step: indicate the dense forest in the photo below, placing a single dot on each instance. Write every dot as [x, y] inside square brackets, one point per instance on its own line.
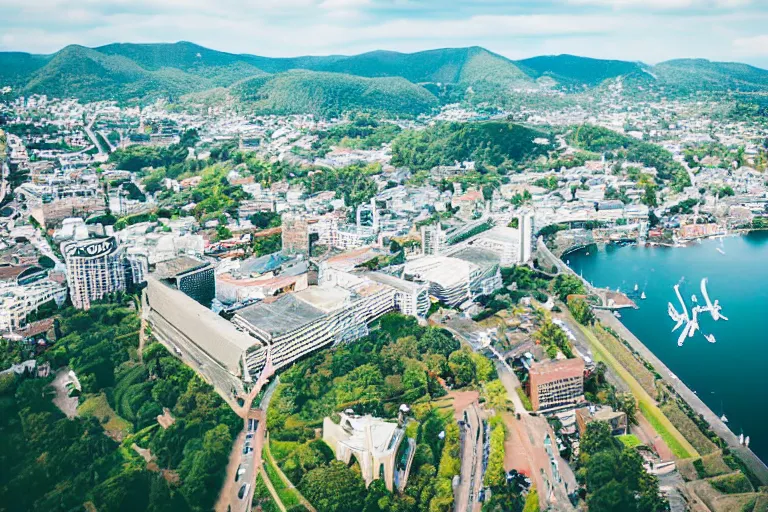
[90, 458]
[489, 144]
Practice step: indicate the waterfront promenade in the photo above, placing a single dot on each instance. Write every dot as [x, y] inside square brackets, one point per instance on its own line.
[757, 466]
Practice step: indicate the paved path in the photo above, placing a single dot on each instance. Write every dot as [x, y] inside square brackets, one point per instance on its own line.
[757, 466]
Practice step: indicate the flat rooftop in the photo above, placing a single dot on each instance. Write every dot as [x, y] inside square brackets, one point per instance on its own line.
[324, 298]
[280, 316]
[478, 256]
[444, 270]
[177, 266]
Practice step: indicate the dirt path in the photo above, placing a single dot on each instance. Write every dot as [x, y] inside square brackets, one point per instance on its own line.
[67, 405]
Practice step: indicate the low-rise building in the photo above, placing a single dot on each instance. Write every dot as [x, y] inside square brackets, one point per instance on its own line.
[372, 442]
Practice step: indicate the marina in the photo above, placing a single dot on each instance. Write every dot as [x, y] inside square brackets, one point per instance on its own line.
[724, 303]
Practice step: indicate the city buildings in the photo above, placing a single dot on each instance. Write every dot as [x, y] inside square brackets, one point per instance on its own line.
[23, 290]
[193, 277]
[293, 325]
[556, 384]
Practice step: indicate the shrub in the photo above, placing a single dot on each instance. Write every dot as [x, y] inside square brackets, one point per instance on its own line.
[735, 483]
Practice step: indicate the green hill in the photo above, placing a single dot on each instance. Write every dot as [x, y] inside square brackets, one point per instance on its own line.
[332, 94]
[221, 68]
[447, 66]
[16, 67]
[491, 143]
[694, 75]
[571, 71]
[90, 75]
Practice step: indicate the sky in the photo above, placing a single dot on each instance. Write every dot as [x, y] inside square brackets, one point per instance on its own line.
[640, 30]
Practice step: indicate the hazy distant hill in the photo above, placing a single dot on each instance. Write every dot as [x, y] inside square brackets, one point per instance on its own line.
[692, 75]
[330, 94]
[572, 71]
[141, 72]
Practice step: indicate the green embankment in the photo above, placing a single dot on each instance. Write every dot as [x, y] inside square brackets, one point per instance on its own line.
[288, 496]
[679, 445]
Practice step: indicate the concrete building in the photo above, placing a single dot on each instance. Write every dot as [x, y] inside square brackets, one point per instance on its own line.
[433, 239]
[469, 273]
[98, 267]
[525, 242]
[616, 419]
[192, 276]
[372, 442]
[297, 324]
[23, 289]
[556, 384]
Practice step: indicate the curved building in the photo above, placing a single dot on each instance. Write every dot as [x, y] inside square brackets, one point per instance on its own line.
[96, 268]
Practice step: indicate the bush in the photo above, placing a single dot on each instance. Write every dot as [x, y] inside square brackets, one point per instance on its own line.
[735, 483]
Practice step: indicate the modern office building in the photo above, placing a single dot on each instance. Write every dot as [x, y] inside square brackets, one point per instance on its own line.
[97, 267]
[297, 324]
[469, 273]
[556, 384]
[192, 276]
[433, 239]
[295, 234]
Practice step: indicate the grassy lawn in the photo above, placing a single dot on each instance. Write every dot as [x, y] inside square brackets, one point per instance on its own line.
[282, 449]
[674, 439]
[667, 431]
[627, 359]
[287, 495]
[629, 440]
[98, 407]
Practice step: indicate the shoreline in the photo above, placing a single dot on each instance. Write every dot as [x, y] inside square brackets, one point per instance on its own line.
[758, 467]
[755, 463]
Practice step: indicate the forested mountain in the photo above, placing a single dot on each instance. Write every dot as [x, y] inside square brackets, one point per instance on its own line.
[324, 84]
[573, 71]
[692, 75]
[331, 94]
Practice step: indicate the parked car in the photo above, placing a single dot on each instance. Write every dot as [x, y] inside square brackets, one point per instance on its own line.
[243, 492]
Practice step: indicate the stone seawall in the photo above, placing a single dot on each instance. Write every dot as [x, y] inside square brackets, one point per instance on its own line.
[757, 466]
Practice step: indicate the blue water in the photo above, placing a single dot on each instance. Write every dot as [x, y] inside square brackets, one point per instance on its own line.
[731, 375]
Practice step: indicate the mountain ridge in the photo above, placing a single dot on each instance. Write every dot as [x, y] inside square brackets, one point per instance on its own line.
[133, 72]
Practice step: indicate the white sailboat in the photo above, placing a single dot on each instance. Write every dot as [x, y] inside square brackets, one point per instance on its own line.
[642, 295]
[746, 441]
[724, 418]
[741, 438]
[636, 287]
[710, 338]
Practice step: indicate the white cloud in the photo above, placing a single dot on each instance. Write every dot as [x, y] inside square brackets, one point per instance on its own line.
[663, 4]
[756, 46]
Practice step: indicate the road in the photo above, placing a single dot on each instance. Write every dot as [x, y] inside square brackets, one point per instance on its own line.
[251, 462]
[721, 429]
[470, 477]
[92, 136]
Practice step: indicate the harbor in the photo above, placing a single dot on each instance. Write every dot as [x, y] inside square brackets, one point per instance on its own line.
[724, 369]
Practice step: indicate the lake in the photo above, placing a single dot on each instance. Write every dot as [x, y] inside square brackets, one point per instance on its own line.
[731, 375]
